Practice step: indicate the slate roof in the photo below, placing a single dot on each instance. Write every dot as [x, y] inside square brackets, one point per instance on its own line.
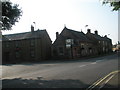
[98, 37]
[106, 38]
[78, 35]
[26, 35]
[4, 38]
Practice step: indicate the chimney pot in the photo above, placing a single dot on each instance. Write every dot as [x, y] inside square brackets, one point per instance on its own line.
[96, 32]
[57, 34]
[105, 36]
[88, 30]
[32, 28]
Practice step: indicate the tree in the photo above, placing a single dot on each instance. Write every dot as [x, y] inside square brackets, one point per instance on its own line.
[10, 14]
[113, 3]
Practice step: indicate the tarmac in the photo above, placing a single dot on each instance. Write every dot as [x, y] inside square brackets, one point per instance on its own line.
[110, 81]
[113, 81]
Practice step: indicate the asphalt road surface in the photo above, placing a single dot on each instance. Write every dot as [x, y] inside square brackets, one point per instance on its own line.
[59, 74]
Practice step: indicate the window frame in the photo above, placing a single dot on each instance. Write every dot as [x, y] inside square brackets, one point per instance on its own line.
[61, 50]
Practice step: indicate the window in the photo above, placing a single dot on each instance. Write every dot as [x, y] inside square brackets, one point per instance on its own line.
[68, 46]
[106, 43]
[16, 44]
[32, 42]
[103, 49]
[69, 41]
[7, 45]
[60, 50]
[79, 50]
[76, 42]
[90, 49]
[82, 46]
[32, 53]
[17, 54]
[103, 42]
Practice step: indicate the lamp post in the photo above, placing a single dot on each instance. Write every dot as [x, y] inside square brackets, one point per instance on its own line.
[86, 26]
[35, 25]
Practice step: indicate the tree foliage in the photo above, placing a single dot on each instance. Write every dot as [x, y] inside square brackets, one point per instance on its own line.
[113, 3]
[10, 14]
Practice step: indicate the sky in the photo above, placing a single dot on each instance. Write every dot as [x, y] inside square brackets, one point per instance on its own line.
[53, 15]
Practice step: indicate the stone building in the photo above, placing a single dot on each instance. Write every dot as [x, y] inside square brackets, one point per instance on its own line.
[102, 44]
[28, 46]
[37, 45]
[71, 44]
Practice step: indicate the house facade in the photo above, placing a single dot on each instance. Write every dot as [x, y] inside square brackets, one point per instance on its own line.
[37, 45]
[70, 44]
[102, 44]
[28, 46]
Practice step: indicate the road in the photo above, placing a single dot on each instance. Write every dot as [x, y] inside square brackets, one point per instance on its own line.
[58, 74]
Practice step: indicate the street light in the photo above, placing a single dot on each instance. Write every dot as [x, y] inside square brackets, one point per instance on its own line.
[35, 25]
[86, 26]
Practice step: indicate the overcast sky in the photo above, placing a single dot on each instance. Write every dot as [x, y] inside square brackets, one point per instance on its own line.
[52, 15]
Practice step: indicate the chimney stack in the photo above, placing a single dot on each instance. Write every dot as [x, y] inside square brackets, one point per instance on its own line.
[57, 34]
[96, 32]
[105, 36]
[88, 30]
[32, 28]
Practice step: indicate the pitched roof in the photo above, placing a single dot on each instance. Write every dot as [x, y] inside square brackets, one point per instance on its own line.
[106, 38]
[4, 38]
[26, 35]
[78, 35]
[98, 37]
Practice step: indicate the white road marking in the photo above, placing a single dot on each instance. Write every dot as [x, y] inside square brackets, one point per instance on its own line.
[82, 65]
[99, 61]
[93, 63]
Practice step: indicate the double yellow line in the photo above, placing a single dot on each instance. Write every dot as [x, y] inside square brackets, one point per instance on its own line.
[102, 79]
